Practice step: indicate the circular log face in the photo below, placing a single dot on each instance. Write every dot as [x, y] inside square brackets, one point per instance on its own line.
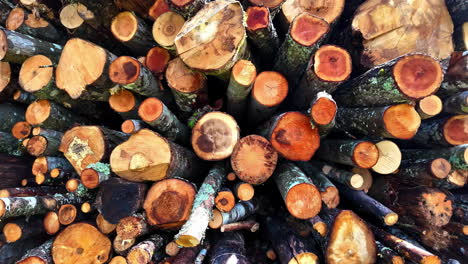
[124, 26]
[332, 63]
[166, 27]
[303, 201]
[214, 136]
[323, 111]
[327, 9]
[70, 15]
[15, 18]
[270, 88]
[124, 70]
[123, 101]
[80, 244]
[210, 39]
[308, 29]
[456, 130]
[157, 59]
[3, 44]
[389, 157]
[244, 72]
[51, 223]
[365, 154]
[257, 18]
[38, 112]
[181, 78]
[402, 121]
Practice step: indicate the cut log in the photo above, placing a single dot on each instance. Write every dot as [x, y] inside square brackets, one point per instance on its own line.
[193, 231]
[366, 205]
[118, 260]
[426, 206]
[5, 78]
[401, 80]
[50, 115]
[254, 159]
[39, 255]
[241, 211]
[24, 22]
[131, 126]
[75, 73]
[11, 114]
[323, 112]
[45, 142]
[457, 104]
[432, 173]
[292, 135]
[166, 27]
[94, 174]
[393, 29]
[429, 106]
[133, 32]
[80, 243]
[318, 225]
[47, 164]
[306, 34]
[405, 248]
[143, 252]
[455, 79]
[327, 68]
[269, 91]
[359, 153]
[443, 131]
[146, 156]
[252, 226]
[328, 10]
[214, 136]
[156, 114]
[132, 227]
[104, 226]
[157, 58]
[244, 191]
[118, 198]
[168, 203]
[350, 179]
[132, 75]
[23, 97]
[389, 157]
[386, 255]
[30, 191]
[397, 121]
[139, 6]
[300, 195]
[172, 249]
[158, 8]
[17, 47]
[21, 130]
[262, 32]
[225, 200]
[457, 156]
[211, 41]
[328, 191]
[229, 247]
[85, 145]
[14, 169]
[240, 84]
[289, 247]
[33, 205]
[121, 246]
[187, 86]
[67, 214]
[125, 103]
[22, 228]
[186, 8]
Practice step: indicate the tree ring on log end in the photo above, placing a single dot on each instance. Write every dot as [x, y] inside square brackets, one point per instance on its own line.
[258, 17]
[431, 105]
[124, 26]
[389, 157]
[21, 130]
[365, 155]
[67, 214]
[182, 79]
[417, 76]
[244, 72]
[391, 219]
[70, 16]
[12, 232]
[89, 178]
[301, 201]
[307, 29]
[456, 130]
[270, 88]
[150, 109]
[38, 112]
[37, 145]
[166, 27]
[440, 168]
[401, 121]
[332, 63]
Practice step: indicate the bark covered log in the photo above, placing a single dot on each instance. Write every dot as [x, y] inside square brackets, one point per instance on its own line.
[41, 254]
[241, 211]
[229, 246]
[243, 75]
[363, 154]
[33, 25]
[444, 132]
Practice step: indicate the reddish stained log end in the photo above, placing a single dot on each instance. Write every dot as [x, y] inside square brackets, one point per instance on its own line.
[128, 126]
[323, 111]
[21, 130]
[123, 101]
[157, 59]
[67, 214]
[257, 18]
[307, 29]
[38, 112]
[401, 121]
[254, 159]
[124, 26]
[51, 223]
[270, 88]
[158, 8]
[365, 155]
[150, 109]
[89, 178]
[15, 18]
[294, 137]
[302, 201]
[225, 200]
[244, 72]
[417, 76]
[332, 63]
[456, 130]
[37, 145]
[124, 70]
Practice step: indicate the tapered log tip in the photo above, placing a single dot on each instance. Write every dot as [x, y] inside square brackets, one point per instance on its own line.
[3, 44]
[365, 155]
[303, 201]
[294, 138]
[323, 111]
[15, 18]
[215, 135]
[12, 232]
[124, 26]
[307, 29]
[90, 178]
[124, 70]
[150, 109]
[21, 130]
[456, 130]
[67, 214]
[332, 63]
[37, 112]
[157, 59]
[258, 17]
[254, 159]
[122, 101]
[401, 121]
[270, 88]
[417, 76]
[5, 76]
[440, 168]
[391, 219]
[431, 105]
[244, 72]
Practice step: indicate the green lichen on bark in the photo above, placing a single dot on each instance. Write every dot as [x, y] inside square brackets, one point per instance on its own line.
[431, 133]
[9, 144]
[455, 155]
[100, 167]
[10, 114]
[288, 175]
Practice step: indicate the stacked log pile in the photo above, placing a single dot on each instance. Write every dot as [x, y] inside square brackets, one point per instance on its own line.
[193, 131]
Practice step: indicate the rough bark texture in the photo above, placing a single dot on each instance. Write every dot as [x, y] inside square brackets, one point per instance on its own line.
[457, 156]
[457, 104]
[40, 253]
[262, 33]
[241, 211]
[229, 247]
